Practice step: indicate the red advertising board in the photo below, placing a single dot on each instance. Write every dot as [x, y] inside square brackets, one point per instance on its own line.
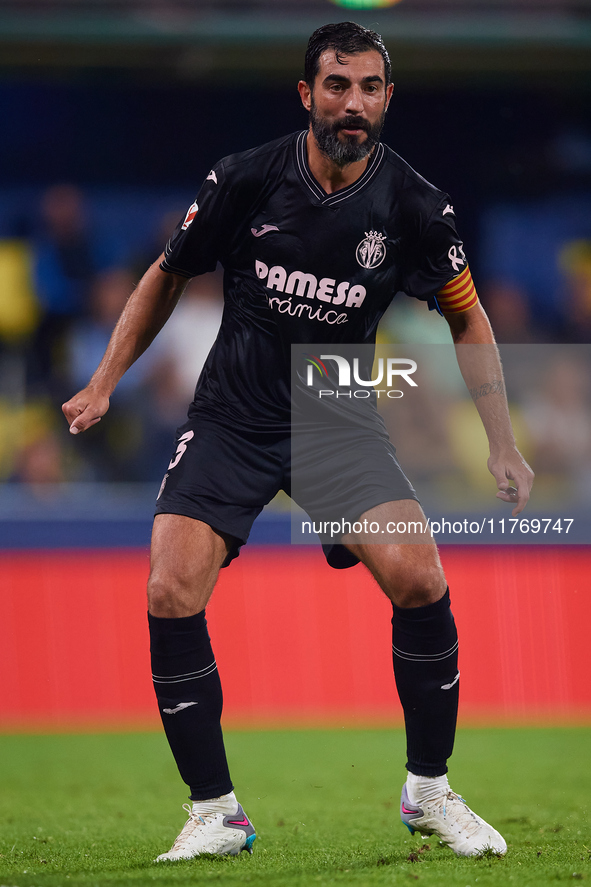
[295, 640]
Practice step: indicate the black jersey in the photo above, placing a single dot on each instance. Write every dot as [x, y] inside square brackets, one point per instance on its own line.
[302, 266]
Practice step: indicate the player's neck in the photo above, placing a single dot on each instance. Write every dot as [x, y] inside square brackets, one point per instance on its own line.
[329, 175]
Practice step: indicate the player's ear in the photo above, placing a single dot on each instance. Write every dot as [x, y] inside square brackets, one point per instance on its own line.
[389, 91]
[305, 94]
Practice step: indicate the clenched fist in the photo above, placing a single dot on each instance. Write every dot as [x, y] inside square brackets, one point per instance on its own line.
[85, 409]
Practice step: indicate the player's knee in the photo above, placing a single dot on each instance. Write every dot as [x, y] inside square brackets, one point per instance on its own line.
[164, 596]
[174, 595]
[414, 586]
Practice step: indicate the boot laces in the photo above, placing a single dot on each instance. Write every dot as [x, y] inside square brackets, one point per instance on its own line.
[455, 808]
[193, 823]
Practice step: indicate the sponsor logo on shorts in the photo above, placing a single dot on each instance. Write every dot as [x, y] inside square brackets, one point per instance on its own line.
[162, 485]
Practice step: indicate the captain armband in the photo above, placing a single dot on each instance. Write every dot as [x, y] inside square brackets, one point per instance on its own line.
[458, 295]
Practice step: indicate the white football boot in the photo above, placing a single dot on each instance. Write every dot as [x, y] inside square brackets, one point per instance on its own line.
[219, 826]
[449, 818]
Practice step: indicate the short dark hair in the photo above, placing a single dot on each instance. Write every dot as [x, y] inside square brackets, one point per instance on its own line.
[346, 38]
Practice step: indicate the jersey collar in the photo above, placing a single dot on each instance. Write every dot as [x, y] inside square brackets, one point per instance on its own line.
[336, 197]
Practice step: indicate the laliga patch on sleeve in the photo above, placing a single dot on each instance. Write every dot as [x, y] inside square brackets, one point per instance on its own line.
[190, 216]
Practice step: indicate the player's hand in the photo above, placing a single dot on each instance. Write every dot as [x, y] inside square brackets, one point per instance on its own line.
[85, 409]
[514, 478]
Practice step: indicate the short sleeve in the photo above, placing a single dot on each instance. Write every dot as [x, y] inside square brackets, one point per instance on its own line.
[437, 255]
[200, 239]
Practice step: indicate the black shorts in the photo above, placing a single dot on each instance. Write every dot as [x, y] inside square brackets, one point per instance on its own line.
[225, 477]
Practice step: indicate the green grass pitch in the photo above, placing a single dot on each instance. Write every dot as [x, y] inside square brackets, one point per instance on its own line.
[96, 809]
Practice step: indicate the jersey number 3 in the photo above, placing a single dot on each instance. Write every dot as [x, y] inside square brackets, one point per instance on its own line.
[180, 450]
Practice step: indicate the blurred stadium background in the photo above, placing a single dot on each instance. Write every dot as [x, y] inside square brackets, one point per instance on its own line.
[113, 112]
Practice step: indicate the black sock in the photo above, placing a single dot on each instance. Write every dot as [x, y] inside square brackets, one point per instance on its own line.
[189, 694]
[425, 655]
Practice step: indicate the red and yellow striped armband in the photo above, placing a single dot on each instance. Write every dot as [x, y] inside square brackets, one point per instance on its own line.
[459, 294]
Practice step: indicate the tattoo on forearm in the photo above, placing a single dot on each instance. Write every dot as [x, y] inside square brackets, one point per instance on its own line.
[494, 387]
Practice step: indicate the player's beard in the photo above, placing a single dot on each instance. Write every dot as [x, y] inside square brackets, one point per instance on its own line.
[345, 149]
